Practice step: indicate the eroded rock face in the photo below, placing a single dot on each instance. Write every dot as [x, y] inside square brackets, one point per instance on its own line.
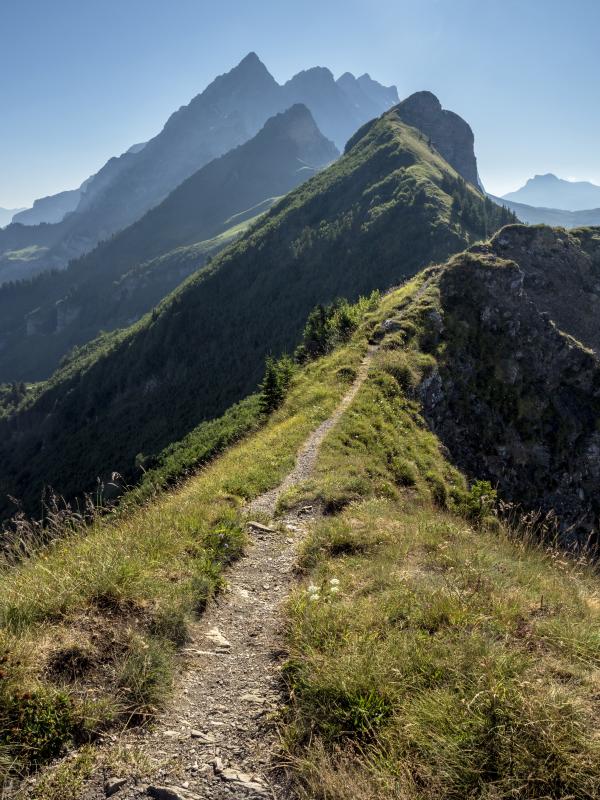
[514, 399]
[450, 134]
[561, 274]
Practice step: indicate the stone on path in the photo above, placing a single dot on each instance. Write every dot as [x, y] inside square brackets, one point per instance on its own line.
[258, 526]
[241, 779]
[215, 636]
[203, 737]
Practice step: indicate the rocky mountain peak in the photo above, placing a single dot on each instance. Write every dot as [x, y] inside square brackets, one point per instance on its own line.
[449, 133]
[298, 125]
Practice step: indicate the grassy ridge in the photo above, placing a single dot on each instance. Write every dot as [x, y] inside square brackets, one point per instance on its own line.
[376, 216]
[432, 653]
[89, 625]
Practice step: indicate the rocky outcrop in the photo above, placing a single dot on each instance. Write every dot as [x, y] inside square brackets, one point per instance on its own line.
[514, 399]
[451, 136]
[49, 209]
[561, 274]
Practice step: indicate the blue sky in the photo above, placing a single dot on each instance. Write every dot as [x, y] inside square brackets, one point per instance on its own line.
[81, 80]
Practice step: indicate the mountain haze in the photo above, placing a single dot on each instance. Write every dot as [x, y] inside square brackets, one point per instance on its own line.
[227, 113]
[6, 215]
[548, 191]
[125, 276]
[391, 205]
[533, 215]
[50, 209]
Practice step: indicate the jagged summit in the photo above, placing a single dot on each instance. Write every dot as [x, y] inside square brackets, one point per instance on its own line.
[313, 74]
[230, 111]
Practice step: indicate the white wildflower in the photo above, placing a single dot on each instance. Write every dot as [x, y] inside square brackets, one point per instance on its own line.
[334, 589]
[312, 589]
[334, 582]
[314, 597]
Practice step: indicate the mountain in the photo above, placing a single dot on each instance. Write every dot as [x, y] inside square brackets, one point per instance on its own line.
[124, 277]
[448, 132]
[6, 215]
[555, 217]
[49, 209]
[548, 191]
[440, 641]
[389, 206]
[227, 113]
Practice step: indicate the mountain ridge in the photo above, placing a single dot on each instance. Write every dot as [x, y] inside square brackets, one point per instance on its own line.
[554, 217]
[377, 215]
[549, 191]
[229, 111]
[41, 321]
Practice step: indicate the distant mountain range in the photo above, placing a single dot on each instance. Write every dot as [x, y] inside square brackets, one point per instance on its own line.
[122, 278]
[6, 215]
[550, 192]
[227, 113]
[50, 209]
[533, 215]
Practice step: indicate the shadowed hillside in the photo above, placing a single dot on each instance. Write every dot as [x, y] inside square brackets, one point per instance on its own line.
[41, 320]
[387, 208]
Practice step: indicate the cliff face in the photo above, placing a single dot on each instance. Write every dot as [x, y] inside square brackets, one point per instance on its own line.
[449, 133]
[515, 399]
[561, 274]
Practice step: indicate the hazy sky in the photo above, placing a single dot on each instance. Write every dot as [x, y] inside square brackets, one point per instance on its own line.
[81, 80]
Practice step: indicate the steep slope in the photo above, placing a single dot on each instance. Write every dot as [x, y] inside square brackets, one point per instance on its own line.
[389, 206]
[50, 209]
[533, 215]
[548, 191]
[514, 398]
[448, 132]
[561, 274]
[42, 320]
[231, 110]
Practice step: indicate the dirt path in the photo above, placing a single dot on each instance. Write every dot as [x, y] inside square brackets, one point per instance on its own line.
[217, 737]
[307, 457]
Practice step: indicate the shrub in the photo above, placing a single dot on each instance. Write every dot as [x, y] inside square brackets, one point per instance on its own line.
[480, 501]
[145, 676]
[404, 472]
[331, 325]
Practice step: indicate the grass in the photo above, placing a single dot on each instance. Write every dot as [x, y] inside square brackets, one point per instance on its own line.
[430, 656]
[95, 618]
[26, 253]
[451, 662]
